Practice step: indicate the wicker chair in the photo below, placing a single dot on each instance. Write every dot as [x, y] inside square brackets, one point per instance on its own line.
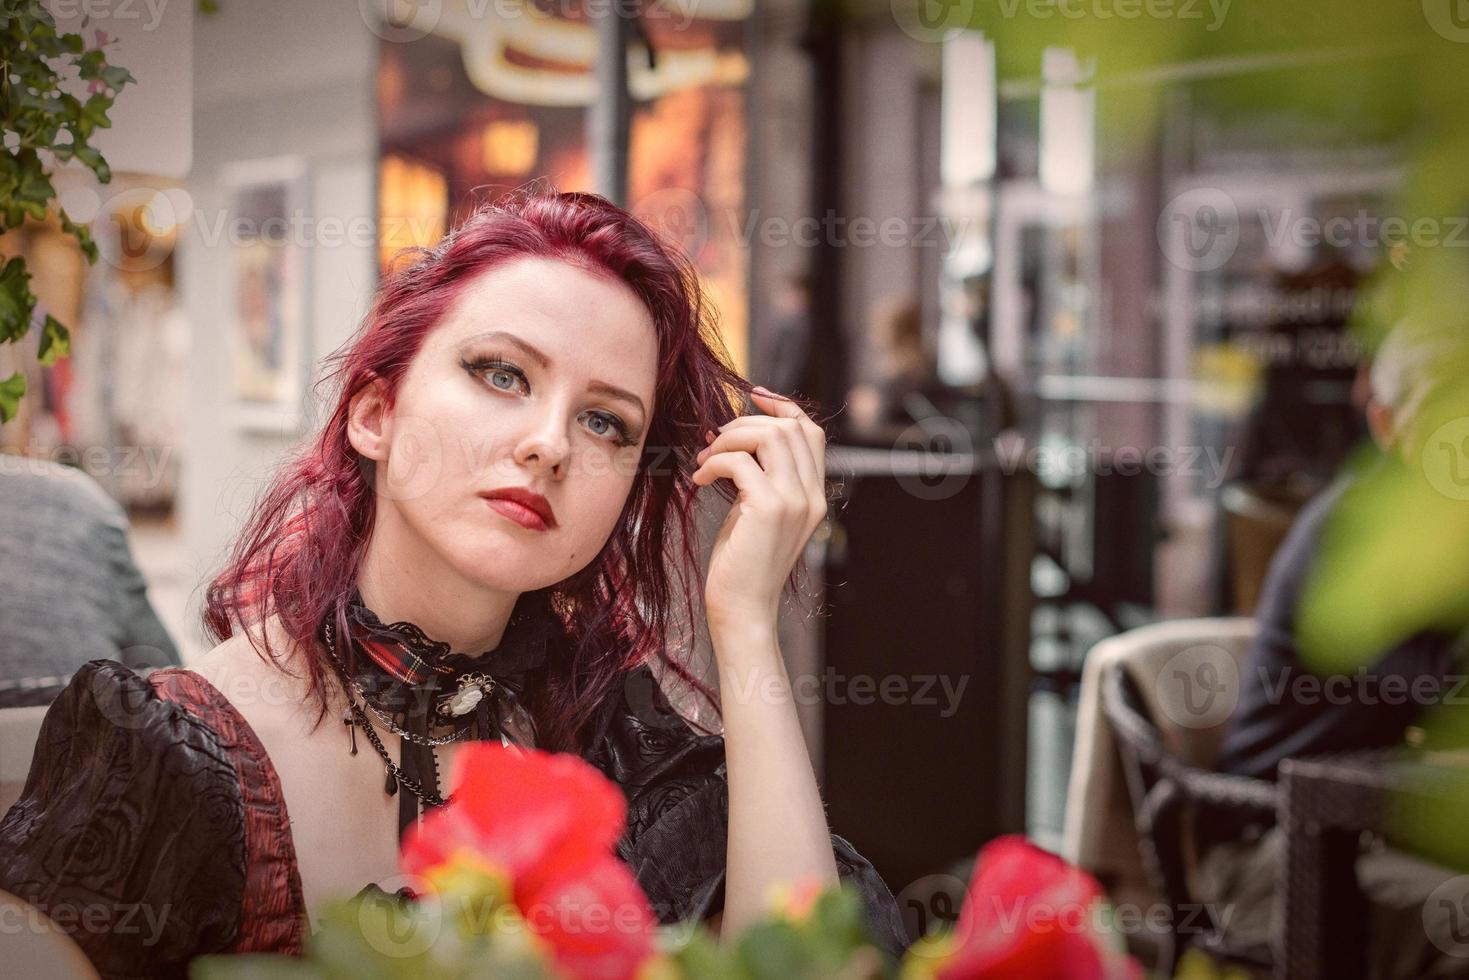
[1142, 777]
[1172, 787]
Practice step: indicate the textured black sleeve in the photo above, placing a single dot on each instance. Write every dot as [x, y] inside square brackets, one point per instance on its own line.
[678, 813]
[130, 832]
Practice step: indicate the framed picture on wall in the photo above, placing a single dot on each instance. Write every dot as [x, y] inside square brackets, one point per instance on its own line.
[266, 293]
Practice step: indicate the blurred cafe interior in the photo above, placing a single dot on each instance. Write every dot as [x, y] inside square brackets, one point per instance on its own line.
[1137, 330]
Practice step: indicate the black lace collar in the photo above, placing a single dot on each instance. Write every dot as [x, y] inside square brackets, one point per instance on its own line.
[397, 665]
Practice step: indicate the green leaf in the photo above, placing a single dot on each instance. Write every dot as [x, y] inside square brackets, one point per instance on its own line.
[82, 234]
[90, 65]
[12, 389]
[16, 300]
[115, 77]
[39, 101]
[772, 951]
[55, 341]
[93, 159]
[703, 957]
[92, 115]
[35, 188]
[253, 966]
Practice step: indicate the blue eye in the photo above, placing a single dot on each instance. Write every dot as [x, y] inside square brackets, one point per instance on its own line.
[493, 370]
[612, 426]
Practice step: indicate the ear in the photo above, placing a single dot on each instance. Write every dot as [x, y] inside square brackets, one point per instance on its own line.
[368, 416]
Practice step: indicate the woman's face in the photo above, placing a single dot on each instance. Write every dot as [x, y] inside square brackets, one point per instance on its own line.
[540, 377]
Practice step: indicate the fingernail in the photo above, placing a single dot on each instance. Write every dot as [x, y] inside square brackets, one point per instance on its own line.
[763, 390]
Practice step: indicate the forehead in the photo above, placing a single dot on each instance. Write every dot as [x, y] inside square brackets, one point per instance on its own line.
[581, 320]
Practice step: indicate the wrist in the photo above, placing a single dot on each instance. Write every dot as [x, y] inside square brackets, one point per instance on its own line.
[752, 683]
[742, 622]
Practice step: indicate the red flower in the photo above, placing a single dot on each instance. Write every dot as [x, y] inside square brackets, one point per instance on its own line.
[549, 821]
[1028, 914]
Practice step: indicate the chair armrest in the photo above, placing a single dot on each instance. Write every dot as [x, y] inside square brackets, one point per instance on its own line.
[1216, 790]
[1225, 791]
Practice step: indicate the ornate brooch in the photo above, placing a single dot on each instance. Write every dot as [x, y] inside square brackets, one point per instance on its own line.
[472, 690]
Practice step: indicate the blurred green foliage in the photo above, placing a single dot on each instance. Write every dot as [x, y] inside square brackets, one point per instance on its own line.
[43, 122]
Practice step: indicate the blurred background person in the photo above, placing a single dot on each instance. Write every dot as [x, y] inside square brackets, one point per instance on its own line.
[1272, 723]
[1288, 710]
[903, 370]
[73, 592]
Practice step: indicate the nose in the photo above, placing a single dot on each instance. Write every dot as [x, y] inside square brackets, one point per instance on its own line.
[545, 445]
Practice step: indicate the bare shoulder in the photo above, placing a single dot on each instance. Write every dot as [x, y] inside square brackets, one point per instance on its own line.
[269, 689]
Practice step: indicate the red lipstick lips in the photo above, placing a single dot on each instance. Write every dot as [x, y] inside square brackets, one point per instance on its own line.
[525, 507]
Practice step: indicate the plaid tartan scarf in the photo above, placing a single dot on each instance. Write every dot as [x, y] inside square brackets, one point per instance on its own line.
[397, 663]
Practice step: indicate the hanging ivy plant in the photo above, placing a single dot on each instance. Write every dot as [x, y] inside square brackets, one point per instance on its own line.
[43, 123]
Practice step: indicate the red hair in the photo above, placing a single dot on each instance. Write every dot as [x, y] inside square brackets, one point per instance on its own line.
[299, 553]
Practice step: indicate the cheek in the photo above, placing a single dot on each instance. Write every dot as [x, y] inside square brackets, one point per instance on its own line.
[418, 457]
[597, 499]
[480, 454]
[436, 440]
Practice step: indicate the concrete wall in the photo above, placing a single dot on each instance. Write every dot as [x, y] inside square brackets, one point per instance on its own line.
[882, 165]
[271, 78]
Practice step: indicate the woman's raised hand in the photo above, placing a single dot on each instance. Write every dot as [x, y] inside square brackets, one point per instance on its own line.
[778, 464]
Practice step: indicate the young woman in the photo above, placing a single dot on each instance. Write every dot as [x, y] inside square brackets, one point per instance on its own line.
[486, 540]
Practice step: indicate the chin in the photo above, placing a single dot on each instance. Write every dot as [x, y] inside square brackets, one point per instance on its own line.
[501, 562]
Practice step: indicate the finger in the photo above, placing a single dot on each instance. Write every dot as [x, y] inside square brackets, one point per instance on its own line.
[807, 439]
[810, 470]
[781, 407]
[740, 467]
[775, 451]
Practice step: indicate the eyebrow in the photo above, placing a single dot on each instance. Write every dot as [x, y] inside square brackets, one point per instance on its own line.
[539, 356]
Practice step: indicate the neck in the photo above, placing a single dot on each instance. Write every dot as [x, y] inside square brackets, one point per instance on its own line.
[401, 578]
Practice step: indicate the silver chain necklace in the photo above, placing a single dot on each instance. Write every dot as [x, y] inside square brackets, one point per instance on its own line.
[387, 719]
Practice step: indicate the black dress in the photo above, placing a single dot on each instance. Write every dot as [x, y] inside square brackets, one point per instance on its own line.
[152, 826]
